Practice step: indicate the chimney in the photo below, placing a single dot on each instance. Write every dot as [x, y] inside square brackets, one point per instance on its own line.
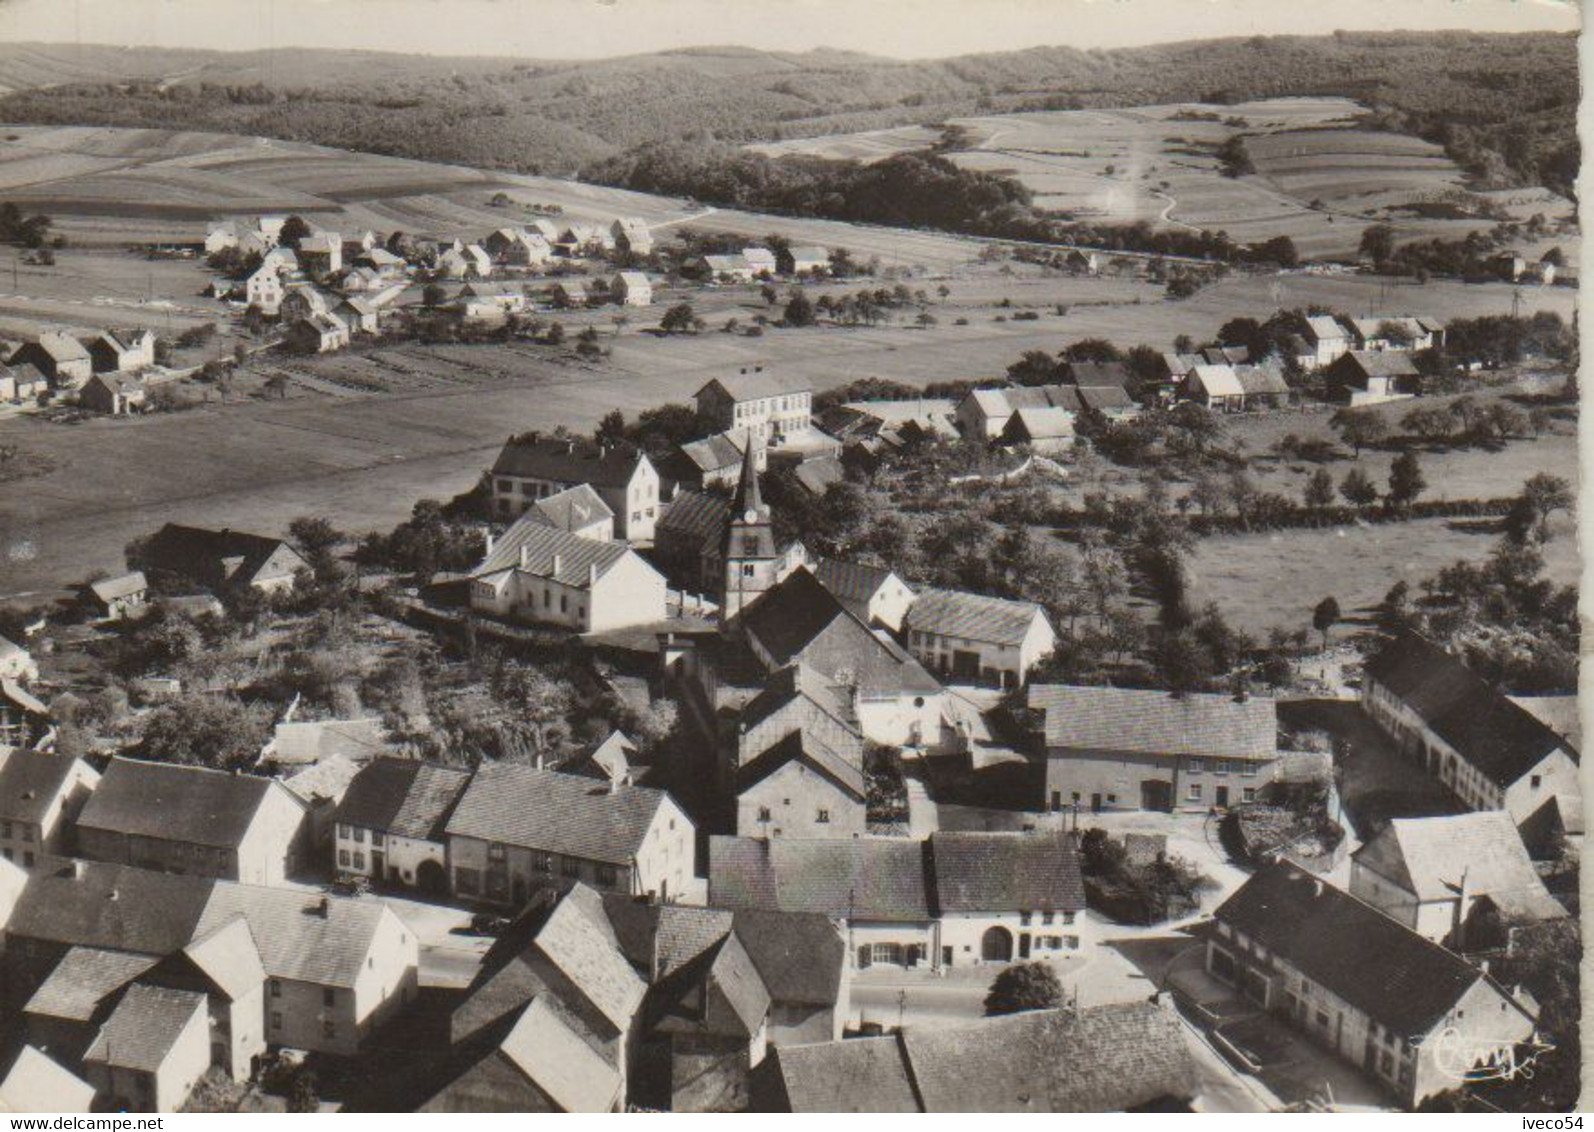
[592, 574]
[76, 869]
[525, 557]
[114, 895]
[322, 907]
[487, 541]
[1459, 925]
[558, 561]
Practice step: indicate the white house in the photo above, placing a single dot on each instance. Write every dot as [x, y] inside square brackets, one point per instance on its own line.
[264, 289]
[632, 289]
[874, 594]
[533, 467]
[542, 574]
[974, 638]
[389, 825]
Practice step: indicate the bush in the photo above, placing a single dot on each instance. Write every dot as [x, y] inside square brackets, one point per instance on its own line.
[1021, 987]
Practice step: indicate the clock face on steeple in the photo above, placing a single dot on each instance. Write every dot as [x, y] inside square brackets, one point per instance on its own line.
[750, 516]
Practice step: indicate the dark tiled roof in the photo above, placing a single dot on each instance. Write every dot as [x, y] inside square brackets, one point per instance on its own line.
[175, 803]
[799, 955]
[1105, 397]
[1502, 740]
[301, 935]
[752, 385]
[854, 583]
[699, 515]
[818, 475]
[986, 872]
[197, 552]
[555, 1058]
[145, 1025]
[953, 613]
[404, 797]
[1102, 1059]
[712, 453]
[1375, 964]
[544, 810]
[30, 782]
[1159, 723]
[1380, 363]
[115, 907]
[124, 585]
[860, 1075]
[1099, 373]
[568, 460]
[547, 552]
[83, 979]
[1261, 380]
[795, 681]
[857, 878]
[800, 746]
[1041, 397]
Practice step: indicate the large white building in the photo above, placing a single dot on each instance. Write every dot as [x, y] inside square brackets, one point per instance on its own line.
[542, 574]
[533, 467]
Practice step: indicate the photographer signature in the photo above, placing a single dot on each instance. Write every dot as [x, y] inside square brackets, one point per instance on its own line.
[1465, 1057]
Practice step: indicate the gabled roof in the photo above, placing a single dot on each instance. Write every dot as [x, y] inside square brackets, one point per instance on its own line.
[62, 347]
[800, 956]
[1160, 723]
[856, 878]
[572, 509]
[568, 460]
[1041, 424]
[701, 515]
[120, 383]
[533, 547]
[637, 279]
[555, 1059]
[301, 935]
[984, 872]
[1217, 380]
[1041, 397]
[1377, 965]
[37, 1084]
[405, 797]
[1262, 379]
[1381, 363]
[809, 253]
[804, 747]
[123, 585]
[555, 813]
[114, 907]
[819, 474]
[854, 583]
[1434, 858]
[721, 450]
[83, 979]
[798, 681]
[1496, 736]
[579, 940]
[144, 1027]
[753, 384]
[1103, 398]
[328, 779]
[31, 782]
[857, 1075]
[176, 803]
[198, 552]
[301, 742]
[1099, 373]
[1322, 327]
[953, 613]
[229, 957]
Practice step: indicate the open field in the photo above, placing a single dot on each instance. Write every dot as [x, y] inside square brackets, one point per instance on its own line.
[1320, 179]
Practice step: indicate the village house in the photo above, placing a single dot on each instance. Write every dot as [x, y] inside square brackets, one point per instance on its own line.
[359, 280]
[571, 294]
[1397, 333]
[221, 559]
[756, 402]
[533, 467]
[321, 254]
[578, 510]
[971, 638]
[873, 594]
[632, 235]
[1490, 753]
[952, 900]
[1128, 749]
[60, 357]
[37, 1083]
[539, 573]
[1110, 401]
[359, 314]
[1263, 387]
[264, 291]
[391, 819]
[984, 413]
[806, 260]
[488, 302]
[1446, 877]
[1362, 985]
[114, 394]
[24, 720]
[221, 236]
[631, 289]
[152, 1050]
[1364, 377]
[712, 461]
[16, 663]
[465, 262]
[725, 268]
[301, 300]
[383, 261]
[322, 786]
[1118, 1057]
[517, 829]
[112, 599]
[761, 260]
[318, 334]
[122, 351]
[22, 382]
[1215, 387]
[582, 238]
[222, 963]
[1047, 431]
[193, 820]
[306, 742]
[690, 539]
[515, 247]
[799, 786]
[1328, 339]
[336, 968]
[41, 796]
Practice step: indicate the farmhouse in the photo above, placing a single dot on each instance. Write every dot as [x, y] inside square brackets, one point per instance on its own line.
[1443, 877]
[360, 315]
[22, 382]
[1110, 401]
[805, 260]
[219, 559]
[1048, 431]
[1216, 387]
[714, 460]
[582, 239]
[515, 247]
[263, 290]
[984, 413]
[1397, 333]
[479, 300]
[756, 402]
[972, 638]
[114, 394]
[41, 795]
[533, 467]
[951, 900]
[123, 351]
[725, 268]
[800, 787]
[632, 235]
[1126, 749]
[1120, 1057]
[318, 334]
[691, 536]
[1359, 983]
[517, 829]
[118, 597]
[761, 260]
[321, 253]
[1264, 387]
[631, 289]
[1369, 377]
[578, 510]
[390, 823]
[60, 357]
[464, 262]
[185, 819]
[1327, 337]
[151, 1051]
[1487, 751]
[539, 573]
[571, 294]
[873, 594]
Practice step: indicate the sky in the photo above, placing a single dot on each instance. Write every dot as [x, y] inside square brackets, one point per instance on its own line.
[907, 29]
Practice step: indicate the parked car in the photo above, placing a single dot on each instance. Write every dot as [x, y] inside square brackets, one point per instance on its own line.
[485, 923]
[352, 885]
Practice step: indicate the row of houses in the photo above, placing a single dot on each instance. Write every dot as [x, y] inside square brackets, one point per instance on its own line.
[753, 263]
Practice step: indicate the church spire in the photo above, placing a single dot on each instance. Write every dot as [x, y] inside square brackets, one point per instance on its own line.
[748, 502]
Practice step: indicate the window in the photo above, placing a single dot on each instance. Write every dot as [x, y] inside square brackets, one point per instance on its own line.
[564, 603]
[887, 953]
[1197, 766]
[763, 813]
[359, 836]
[329, 1028]
[1248, 770]
[343, 858]
[9, 854]
[822, 817]
[1534, 782]
[27, 860]
[1024, 918]
[1249, 794]
[542, 862]
[570, 867]
[5, 827]
[1195, 792]
[1068, 917]
[1111, 798]
[1071, 942]
[1220, 766]
[607, 876]
[1047, 917]
[276, 1020]
[467, 882]
[276, 988]
[377, 840]
[359, 859]
[329, 996]
[495, 851]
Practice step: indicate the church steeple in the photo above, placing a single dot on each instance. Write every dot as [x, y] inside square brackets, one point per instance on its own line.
[748, 501]
[750, 559]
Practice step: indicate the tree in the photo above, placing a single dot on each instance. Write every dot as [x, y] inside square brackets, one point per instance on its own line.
[1358, 489]
[1377, 243]
[433, 295]
[679, 319]
[1359, 428]
[203, 730]
[1319, 490]
[294, 229]
[1406, 482]
[1034, 367]
[1325, 616]
[611, 428]
[1093, 350]
[799, 310]
[1021, 987]
[555, 335]
[1542, 496]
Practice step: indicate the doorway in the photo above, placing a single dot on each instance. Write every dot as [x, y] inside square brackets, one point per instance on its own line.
[1223, 797]
[996, 945]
